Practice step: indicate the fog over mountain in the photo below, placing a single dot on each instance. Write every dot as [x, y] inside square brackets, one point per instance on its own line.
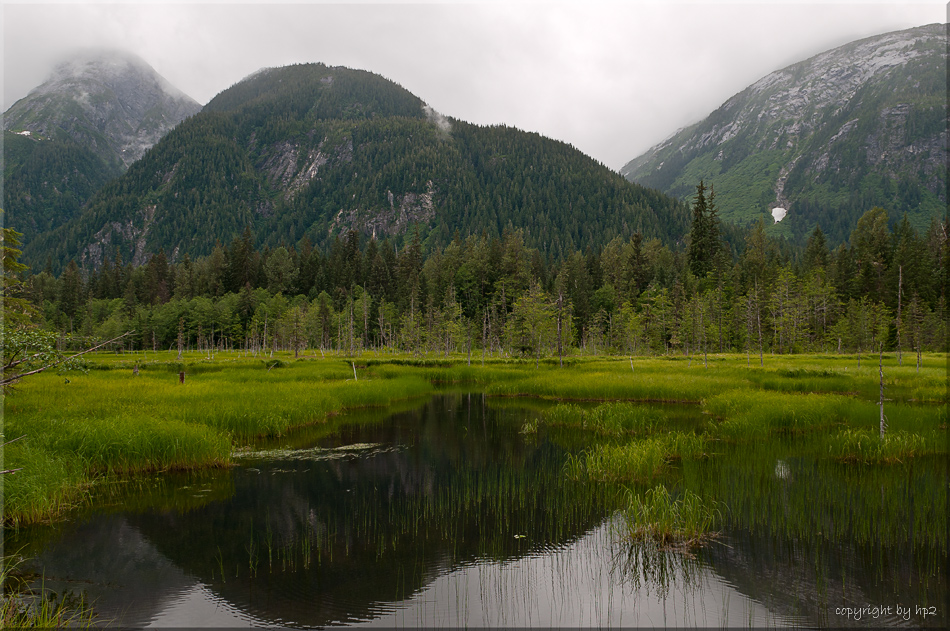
[110, 101]
[824, 139]
[610, 78]
[92, 117]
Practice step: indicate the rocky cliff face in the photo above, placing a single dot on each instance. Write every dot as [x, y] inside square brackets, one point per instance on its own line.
[827, 138]
[112, 103]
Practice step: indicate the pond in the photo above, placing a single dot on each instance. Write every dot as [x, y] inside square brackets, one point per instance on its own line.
[444, 514]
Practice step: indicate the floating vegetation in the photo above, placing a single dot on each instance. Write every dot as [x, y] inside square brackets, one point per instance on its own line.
[317, 454]
[655, 516]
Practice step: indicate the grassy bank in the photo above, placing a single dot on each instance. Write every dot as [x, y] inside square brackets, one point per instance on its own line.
[110, 421]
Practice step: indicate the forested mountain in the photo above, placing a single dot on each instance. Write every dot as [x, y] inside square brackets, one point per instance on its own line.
[93, 117]
[828, 138]
[46, 182]
[311, 151]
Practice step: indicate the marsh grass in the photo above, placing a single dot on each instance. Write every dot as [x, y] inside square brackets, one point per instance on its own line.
[868, 447]
[634, 461]
[110, 422]
[656, 517]
[22, 606]
[778, 412]
[637, 460]
[607, 420]
[45, 486]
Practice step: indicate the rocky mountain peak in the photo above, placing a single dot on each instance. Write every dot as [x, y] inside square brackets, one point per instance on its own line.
[110, 101]
[860, 125]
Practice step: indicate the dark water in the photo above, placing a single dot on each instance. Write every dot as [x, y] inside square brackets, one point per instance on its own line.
[445, 515]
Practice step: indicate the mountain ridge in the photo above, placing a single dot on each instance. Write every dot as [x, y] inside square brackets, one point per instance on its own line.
[313, 151]
[819, 136]
[110, 101]
[85, 124]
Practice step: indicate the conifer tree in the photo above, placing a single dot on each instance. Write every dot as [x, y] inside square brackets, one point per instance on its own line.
[704, 238]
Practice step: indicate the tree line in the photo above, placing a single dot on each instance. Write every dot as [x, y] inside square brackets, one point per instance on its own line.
[884, 289]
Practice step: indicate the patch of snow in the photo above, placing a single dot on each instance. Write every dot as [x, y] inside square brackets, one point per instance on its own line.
[778, 213]
[25, 133]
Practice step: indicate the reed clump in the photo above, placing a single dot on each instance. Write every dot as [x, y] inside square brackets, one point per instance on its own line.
[637, 460]
[758, 412]
[609, 419]
[632, 462]
[868, 447]
[656, 517]
[44, 484]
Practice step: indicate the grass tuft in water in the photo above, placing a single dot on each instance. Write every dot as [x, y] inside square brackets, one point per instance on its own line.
[635, 461]
[657, 517]
[609, 419]
[866, 446]
[23, 607]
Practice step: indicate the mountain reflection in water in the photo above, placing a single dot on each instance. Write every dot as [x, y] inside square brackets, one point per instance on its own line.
[444, 515]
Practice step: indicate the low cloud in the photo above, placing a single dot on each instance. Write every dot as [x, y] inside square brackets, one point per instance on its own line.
[437, 119]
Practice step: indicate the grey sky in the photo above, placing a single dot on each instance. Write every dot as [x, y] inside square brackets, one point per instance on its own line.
[611, 78]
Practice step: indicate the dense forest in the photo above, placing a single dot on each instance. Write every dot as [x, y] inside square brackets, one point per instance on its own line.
[314, 152]
[46, 181]
[885, 289]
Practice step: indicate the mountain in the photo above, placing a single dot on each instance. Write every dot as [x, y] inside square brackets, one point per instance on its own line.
[311, 151]
[94, 116]
[826, 139]
[111, 102]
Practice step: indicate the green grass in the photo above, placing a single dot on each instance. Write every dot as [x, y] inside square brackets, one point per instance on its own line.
[24, 607]
[110, 422]
[868, 447]
[656, 517]
[607, 420]
[636, 460]
[630, 462]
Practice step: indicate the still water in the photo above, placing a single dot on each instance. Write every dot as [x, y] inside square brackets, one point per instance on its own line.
[443, 514]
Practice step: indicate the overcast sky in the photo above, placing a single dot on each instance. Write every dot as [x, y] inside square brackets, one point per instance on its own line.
[611, 78]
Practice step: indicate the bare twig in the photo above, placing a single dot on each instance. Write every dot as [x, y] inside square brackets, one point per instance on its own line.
[14, 440]
[15, 378]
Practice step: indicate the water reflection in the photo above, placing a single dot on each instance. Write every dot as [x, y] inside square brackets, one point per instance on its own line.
[446, 516]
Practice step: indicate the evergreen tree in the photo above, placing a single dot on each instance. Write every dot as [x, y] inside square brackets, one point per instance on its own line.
[816, 250]
[705, 242]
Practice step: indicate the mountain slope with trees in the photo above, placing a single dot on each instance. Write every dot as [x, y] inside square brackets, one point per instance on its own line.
[93, 117]
[312, 152]
[828, 138]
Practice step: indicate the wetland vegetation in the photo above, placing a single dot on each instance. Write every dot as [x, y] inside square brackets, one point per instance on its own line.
[785, 455]
[112, 421]
[413, 473]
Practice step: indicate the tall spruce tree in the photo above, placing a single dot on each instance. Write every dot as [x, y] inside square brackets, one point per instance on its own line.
[704, 239]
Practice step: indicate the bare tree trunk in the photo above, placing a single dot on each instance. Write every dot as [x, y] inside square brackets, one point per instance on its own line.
[702, 328]
[560, 349]
[900, 282]
[880, 368]
[484, 333]
[181, 332]
[758, 319]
